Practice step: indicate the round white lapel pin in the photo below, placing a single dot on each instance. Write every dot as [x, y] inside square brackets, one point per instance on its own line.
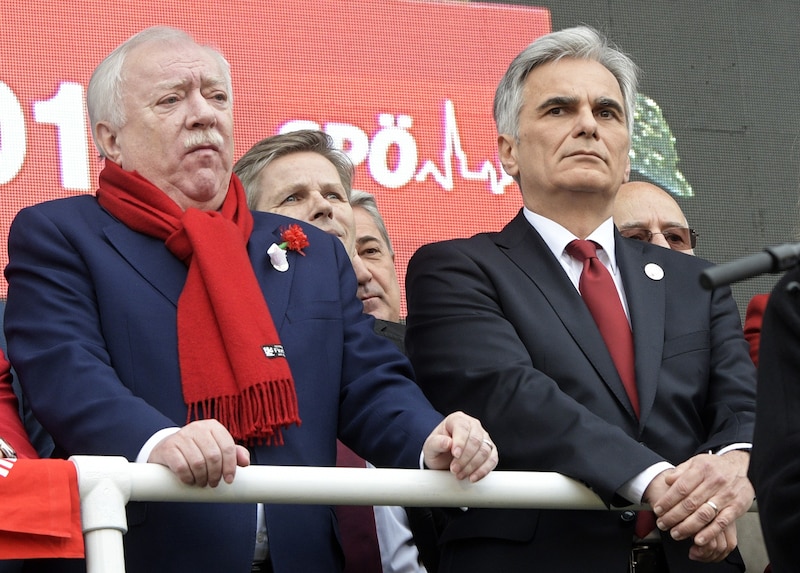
[654, 271]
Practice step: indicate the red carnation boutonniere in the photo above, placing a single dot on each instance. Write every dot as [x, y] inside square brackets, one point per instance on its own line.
[294, 239]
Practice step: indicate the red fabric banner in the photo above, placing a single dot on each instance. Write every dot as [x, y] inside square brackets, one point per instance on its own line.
[40, 514]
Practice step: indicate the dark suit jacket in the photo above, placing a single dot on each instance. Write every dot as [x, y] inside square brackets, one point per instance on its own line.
[394, 331]
[775, 463]
[496, 328]
[91, 328]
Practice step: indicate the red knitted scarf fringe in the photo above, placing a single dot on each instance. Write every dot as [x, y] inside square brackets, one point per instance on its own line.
[223, 320]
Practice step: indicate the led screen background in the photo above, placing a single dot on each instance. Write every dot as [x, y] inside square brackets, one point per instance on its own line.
[406, 88]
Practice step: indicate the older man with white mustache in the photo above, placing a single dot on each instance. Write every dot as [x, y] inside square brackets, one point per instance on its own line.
[148, 321]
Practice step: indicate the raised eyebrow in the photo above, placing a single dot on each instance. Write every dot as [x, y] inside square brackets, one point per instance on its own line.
[294, 188]
[337, 187]
[169, 86]
[209, 82]
[215, 82]
[367, 239]
[558, 101]
[663, 227]
[284, 193]
[634, 225]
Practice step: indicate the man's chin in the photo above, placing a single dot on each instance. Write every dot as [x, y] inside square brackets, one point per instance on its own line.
[375, 307]
[589, 181]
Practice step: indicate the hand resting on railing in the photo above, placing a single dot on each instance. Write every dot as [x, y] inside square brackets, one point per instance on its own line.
[204, 453]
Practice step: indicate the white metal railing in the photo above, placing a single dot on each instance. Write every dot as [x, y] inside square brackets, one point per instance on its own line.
[108, 483]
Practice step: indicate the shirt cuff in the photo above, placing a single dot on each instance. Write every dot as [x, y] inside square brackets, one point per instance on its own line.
[152, 442]
[733, 447]
[633, 490]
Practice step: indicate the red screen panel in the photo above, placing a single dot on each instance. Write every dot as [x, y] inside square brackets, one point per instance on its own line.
[405, 87]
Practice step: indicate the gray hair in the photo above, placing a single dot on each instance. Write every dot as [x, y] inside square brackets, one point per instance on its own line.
[581, 42]
[104, 94]
[252, 163]
[367, 202]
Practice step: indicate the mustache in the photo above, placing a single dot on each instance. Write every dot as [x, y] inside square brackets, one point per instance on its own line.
[204, 137]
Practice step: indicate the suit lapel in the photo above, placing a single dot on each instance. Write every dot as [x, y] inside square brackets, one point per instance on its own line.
[525, 247]
[645, 291]
[150, 258]
[276, 285]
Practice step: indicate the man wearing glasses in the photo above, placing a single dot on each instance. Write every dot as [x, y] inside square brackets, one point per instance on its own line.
[646, 212]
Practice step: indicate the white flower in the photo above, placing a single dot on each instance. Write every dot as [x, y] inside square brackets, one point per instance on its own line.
[277, 257]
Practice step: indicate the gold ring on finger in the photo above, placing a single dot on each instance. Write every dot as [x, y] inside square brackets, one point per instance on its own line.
[714, 507]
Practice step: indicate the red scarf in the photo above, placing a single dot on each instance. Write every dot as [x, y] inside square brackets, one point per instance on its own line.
[226, 337]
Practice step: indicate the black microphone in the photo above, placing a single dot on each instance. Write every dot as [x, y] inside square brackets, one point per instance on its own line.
[771, 260]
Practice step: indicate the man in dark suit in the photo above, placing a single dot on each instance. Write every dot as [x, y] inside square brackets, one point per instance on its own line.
[500, 326]
[775, 467]
[302, 175]
[163, 321]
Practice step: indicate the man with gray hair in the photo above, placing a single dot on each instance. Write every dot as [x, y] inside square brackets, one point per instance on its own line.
[381, 293]
[185, 330]
[585, 353]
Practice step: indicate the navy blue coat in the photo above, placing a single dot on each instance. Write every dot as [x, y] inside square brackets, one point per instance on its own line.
[91, 328]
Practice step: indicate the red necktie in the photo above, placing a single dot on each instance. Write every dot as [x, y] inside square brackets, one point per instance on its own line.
[357, 525]
[601, 296]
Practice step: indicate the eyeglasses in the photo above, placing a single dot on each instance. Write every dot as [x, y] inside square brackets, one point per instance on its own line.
[678, 238]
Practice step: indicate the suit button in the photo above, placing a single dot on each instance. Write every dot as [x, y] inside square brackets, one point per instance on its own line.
[628, 515]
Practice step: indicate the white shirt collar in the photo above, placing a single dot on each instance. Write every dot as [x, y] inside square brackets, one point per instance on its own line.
[557, 237]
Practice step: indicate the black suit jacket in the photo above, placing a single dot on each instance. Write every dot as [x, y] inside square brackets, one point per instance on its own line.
[496, 328]
[775, 463]
[394, 331]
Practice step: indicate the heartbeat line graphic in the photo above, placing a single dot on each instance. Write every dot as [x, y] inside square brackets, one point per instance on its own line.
[497, 178]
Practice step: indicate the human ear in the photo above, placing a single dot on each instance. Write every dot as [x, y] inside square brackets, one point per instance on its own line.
[107, 141]
[507, 149]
